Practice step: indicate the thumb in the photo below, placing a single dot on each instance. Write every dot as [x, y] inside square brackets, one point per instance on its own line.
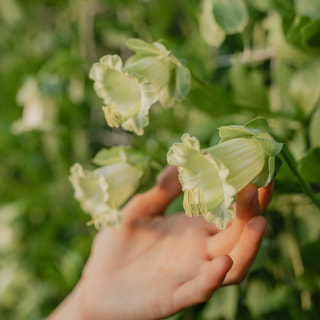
[154, 201]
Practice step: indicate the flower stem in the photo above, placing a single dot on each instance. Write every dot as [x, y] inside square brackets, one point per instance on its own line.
[288, 158]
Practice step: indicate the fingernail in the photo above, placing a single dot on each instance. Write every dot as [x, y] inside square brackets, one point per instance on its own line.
[258, 223]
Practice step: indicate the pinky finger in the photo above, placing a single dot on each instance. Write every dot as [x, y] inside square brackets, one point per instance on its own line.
[203, 286]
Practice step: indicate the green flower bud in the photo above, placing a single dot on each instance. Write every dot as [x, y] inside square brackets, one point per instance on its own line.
[127, 97]
[103, 191]
[156, 64]
[212, 177]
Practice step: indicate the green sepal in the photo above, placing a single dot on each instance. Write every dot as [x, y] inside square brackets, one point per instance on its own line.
[257, 128]
[106, 157]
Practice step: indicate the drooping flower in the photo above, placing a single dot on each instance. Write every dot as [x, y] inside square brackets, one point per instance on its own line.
[127, 97]
[152, 74]
[155, 63]
[211, 177]
[102, 192]
[39, 108]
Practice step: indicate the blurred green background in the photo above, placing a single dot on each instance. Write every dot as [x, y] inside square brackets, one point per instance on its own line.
[264, 60]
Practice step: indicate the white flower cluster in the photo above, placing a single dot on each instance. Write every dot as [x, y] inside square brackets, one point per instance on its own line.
[128, 90]
[210, 177]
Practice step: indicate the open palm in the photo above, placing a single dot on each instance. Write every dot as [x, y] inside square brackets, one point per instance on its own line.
[154, 266]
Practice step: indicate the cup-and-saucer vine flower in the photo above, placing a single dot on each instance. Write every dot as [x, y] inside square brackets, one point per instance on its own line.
[170, 78]
[37, 96]
[211, 177]
[101, 192]
[127, 97]
[129, 90]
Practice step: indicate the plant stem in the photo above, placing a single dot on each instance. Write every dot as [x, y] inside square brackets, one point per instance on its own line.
[296, 257]
[288, 158]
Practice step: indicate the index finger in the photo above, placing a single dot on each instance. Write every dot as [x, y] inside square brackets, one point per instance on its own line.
[154, 201]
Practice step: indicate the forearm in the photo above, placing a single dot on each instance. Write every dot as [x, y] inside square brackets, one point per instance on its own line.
[69, 309]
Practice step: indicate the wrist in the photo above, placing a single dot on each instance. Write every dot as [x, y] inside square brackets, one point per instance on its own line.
[70, 308]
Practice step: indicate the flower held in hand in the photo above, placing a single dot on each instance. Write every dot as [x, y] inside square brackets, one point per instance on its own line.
[211, 177]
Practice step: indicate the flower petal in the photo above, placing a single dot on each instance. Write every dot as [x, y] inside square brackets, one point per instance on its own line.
[220, 216]
[103, 191]
[127, 97]
[212, 177]
[122, 179]
[159, 66]
[196, 170]
[90, 191]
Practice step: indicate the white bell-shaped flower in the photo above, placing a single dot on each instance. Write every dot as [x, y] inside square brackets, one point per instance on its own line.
[127, 97]
[155, 63]
[102, 192]
[211, 177]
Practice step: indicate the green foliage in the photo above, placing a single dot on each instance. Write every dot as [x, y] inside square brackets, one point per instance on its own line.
[246, 58]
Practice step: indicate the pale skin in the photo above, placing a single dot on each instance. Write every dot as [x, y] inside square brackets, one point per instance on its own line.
[155, 266]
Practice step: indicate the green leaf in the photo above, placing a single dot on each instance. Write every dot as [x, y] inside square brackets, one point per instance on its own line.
[309, 252]
[309, 166]
[182, 82]
[307, 223]
[292, 26]
[62, 63]
[210, 31]
[281, 46]
[304, 86]
[302, 32]
[281, 99]
[310, 36]
[314, 129]
[214, 100]
[284, 6]
[308, 8]
[262, 298]
[223, 304]
[248, 87]
[231, 15]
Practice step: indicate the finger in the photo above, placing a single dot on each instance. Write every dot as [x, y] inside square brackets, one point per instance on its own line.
[247, 204]
[245, 251]
[203, 286]
[155, 201]
[246, 207]
[168, 180]
[265, 195]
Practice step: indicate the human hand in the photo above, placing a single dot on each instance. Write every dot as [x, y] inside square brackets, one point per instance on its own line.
[155, 266]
